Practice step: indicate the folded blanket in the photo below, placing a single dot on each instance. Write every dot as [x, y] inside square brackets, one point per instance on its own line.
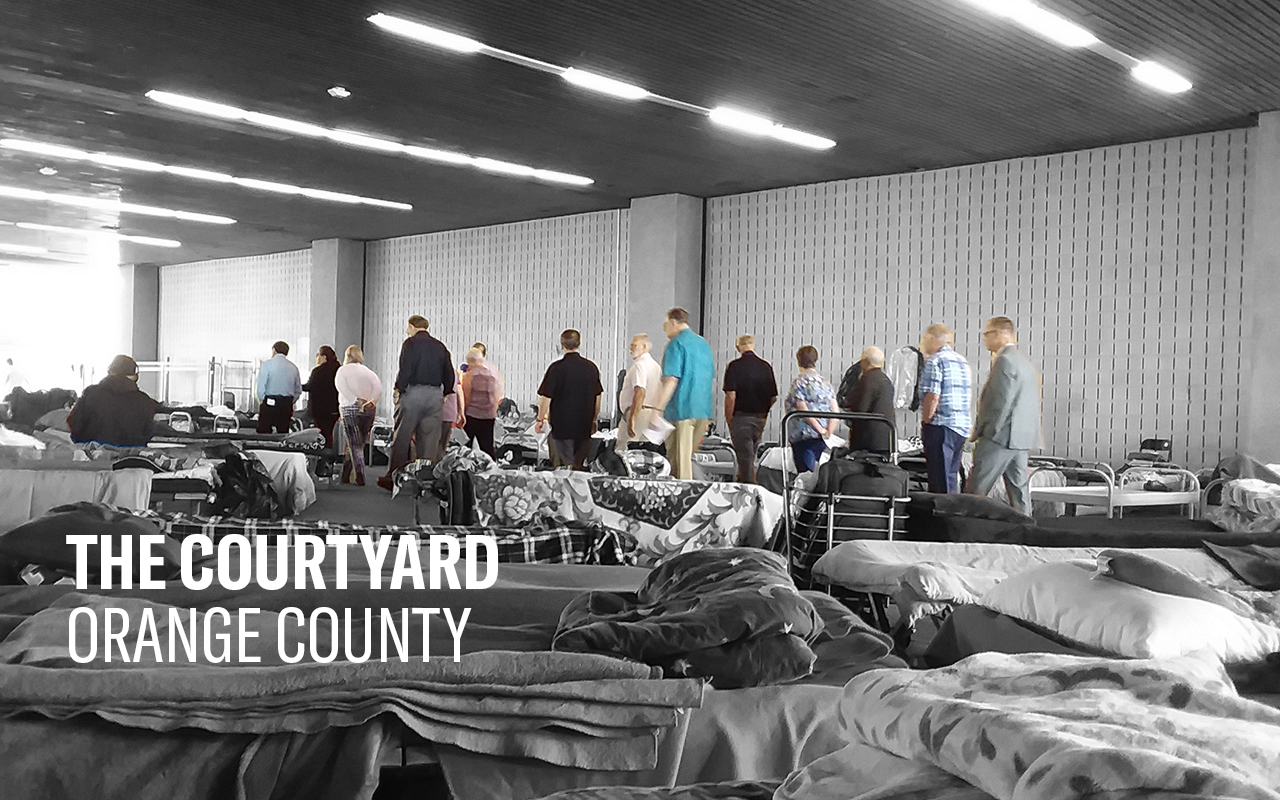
[1041, 726]
[1254, 564]
[732, 615]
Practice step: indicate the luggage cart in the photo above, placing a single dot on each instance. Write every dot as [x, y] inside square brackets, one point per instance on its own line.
[803, 544]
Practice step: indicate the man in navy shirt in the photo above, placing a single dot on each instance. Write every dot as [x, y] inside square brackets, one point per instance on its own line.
[426, 375]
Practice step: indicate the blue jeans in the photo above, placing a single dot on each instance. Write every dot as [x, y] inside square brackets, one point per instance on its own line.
[942, 448]
[806, 453]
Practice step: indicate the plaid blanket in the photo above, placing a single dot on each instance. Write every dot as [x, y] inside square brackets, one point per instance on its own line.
[567, 543]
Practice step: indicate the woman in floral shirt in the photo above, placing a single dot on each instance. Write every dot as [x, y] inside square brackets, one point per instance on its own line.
[809, 392]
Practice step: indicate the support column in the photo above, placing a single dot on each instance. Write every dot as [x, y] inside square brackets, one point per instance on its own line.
[664, 267]
[337, 293]
[140, 318]
[1260, 367]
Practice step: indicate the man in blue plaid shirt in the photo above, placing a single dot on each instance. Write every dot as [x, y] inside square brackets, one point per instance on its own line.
[946, 408]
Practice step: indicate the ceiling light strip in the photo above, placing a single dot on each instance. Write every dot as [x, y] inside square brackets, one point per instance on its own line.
[1068, 34]
[119, 237]
[114, 206]
[591, 81]
[106, 159]
[351, 139]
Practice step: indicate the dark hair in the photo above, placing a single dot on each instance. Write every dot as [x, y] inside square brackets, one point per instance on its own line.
[1003, 324]
[417, 321]
[570, 339]
[678, 315]
[330, 356]
[123, 365]
[281, 347]
[807, 356]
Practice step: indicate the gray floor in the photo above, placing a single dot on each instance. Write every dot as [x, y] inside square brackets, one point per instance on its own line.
[360, 505]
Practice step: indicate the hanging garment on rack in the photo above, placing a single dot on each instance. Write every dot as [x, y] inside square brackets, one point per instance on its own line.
[905, 366]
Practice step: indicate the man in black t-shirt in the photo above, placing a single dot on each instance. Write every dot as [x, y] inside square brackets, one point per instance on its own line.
[750, 390]
[569, 398]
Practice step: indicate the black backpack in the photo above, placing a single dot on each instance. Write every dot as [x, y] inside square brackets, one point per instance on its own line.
[850, 379]
[245, 490]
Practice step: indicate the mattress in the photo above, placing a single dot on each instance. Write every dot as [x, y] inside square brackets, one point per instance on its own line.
[28, 493]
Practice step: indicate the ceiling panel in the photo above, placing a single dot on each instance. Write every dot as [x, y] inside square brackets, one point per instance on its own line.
[900, 84]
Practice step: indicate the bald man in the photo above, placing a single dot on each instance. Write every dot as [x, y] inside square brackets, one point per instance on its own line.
[872, 394]
[642, 383]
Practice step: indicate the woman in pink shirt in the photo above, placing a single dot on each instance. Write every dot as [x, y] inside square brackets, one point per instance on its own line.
[358, 393]
[482, 386]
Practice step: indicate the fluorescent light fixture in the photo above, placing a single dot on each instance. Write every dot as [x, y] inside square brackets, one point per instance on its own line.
[21, 249]
[1160, 77]
[599, 83]
[1041, 20]
[741, 120]
[426, 34]
[351, 138]
[432, 154]
[197, 174]
[339, 92]
[120, 237]
[195, 104]
[810, 140]
[111, 205]
[361, 140]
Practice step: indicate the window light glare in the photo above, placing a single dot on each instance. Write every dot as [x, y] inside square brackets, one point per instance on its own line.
[21, 249]
[741, 120]
[1160, 77]
[426, 34]
[599, 83]
[195, 104]
[122, 237]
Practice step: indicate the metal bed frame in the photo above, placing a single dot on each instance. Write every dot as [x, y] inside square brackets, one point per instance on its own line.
[886, 524]
[1111, 491]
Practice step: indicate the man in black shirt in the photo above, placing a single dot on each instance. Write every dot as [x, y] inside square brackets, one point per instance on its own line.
[115, 411]
[872, 394]
[750, 390]
[426, 375]
[569, 398]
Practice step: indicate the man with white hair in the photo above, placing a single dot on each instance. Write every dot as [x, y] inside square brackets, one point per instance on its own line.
[643, 381]
[750, 390]
[872, 394]
[946, 408]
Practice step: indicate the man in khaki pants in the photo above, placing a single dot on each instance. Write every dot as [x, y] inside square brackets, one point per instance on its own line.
[641, 386]
[688, 372]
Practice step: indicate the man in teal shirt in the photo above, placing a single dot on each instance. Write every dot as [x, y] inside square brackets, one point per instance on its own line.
[688, 372]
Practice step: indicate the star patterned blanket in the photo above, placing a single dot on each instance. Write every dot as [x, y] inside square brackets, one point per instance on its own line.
[1042, 727]
[732, 616]
[663, 517]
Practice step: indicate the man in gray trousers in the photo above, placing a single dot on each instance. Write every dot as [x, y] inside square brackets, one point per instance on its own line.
[1008, 421]
[426, 375]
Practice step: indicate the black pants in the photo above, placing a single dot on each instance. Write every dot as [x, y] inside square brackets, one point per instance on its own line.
[745, 431]
[481, 430]
[942, 448]
[569, 452]
[275, 412]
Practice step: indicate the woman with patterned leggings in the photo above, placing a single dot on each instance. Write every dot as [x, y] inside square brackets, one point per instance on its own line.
[358, 392]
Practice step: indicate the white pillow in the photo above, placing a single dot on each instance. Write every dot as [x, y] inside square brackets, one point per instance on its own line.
[1127, 620]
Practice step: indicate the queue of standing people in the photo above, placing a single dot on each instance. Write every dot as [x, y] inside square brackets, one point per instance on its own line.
[671, 401]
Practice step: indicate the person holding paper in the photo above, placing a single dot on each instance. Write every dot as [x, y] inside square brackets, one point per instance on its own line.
[569, 398]
[809, 392]
[688, 372]
[643, 382]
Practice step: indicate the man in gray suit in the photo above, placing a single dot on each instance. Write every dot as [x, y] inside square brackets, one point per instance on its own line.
[1008, 422]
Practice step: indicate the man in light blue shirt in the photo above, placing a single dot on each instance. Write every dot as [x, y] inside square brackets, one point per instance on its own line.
[279, 385]
[946, 408]
[688, 372]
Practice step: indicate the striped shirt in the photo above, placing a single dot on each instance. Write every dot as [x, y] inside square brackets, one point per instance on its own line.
[948, 375]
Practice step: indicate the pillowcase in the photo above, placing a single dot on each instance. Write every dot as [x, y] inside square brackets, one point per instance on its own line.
[1116, 617]
[42, 639]
[44, 540]
[1149, 573]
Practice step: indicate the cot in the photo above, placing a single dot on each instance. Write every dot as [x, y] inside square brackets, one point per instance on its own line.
[1112, 492]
